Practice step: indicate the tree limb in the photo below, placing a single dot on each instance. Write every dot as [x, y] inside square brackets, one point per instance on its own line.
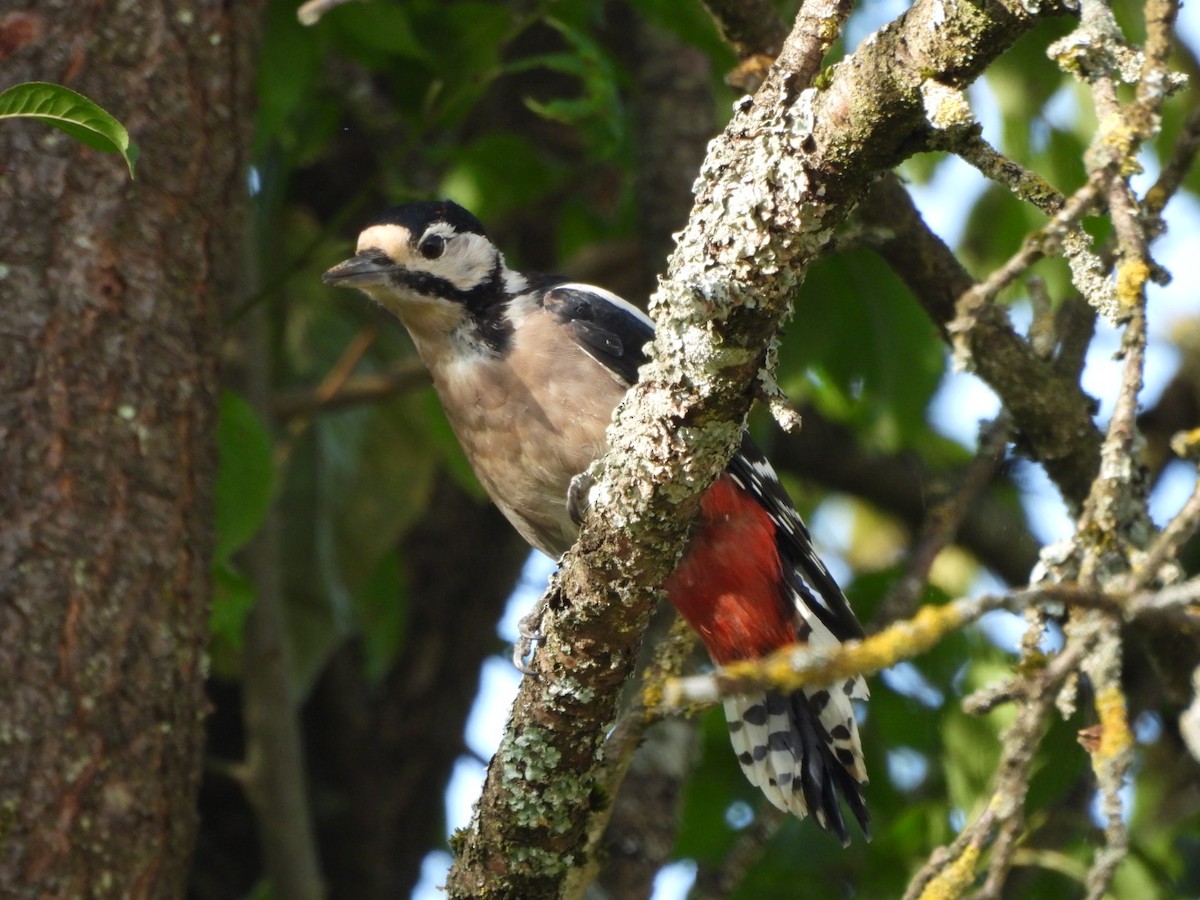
[1052, 413]
[787, 170]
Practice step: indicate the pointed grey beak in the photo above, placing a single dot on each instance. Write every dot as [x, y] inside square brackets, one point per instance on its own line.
[368, 267]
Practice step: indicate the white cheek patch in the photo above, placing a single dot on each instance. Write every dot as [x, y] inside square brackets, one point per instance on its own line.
[468, 261]
[520, 308]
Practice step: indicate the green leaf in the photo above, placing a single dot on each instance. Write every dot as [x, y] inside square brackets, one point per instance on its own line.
[377, 28]
[691, 23]
[864, 348]
[598, 109]
[288, 65]
[378, 476]
[68, 111]
[497, 173]
[245, 475]
[233, 598]
[382, 607]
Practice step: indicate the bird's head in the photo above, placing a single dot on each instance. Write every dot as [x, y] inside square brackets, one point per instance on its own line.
[433, 265]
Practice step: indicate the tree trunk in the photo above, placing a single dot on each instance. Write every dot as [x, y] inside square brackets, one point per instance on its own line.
[111, 292]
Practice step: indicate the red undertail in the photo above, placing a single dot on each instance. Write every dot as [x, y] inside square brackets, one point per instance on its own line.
[728, 585]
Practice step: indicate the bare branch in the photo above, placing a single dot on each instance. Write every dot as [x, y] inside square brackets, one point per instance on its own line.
[274, 768]
[371, 388]
[1048, 407]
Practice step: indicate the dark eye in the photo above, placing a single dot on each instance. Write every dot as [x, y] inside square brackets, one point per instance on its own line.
[432, 246]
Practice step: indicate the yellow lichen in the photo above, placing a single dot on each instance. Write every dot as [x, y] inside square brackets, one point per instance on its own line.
[1132, 275]
[1186, 444]
[905, 639]
[652, 694]
[1115, 736]
[895, 643]
[953, 881]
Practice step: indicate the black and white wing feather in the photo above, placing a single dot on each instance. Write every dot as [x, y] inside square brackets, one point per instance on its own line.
[611, 330]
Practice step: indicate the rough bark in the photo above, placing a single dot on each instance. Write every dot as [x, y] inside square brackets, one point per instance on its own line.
[787, 170]
[110, 291]
[674, 119]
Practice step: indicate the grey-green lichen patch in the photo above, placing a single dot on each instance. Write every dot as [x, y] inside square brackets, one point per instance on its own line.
[566, 687]
[11, 733]
[1089, 275]
[79, 570]
[520, 765]
[542, 861]
[946, 107]
[546, 799]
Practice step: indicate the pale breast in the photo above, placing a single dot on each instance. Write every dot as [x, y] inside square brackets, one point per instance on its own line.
[530, 422]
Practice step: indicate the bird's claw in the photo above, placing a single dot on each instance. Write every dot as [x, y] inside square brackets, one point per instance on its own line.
[529, 637]
[577, 496]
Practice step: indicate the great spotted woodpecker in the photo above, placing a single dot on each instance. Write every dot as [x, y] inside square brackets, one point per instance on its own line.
[529, 369]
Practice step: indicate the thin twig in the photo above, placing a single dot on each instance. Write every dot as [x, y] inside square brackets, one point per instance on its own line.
[1180, 163]
[951, 870]
[274, 766]
[1173, 598]
[818, 24]
[799, 665]
[1168, 544]
[943, 521]
[400, 378]
[1028, 185]
[1038, 244]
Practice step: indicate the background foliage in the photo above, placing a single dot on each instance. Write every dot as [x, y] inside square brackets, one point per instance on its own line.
[546, 119]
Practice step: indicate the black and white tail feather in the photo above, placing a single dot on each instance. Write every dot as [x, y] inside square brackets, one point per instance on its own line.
[802, 749]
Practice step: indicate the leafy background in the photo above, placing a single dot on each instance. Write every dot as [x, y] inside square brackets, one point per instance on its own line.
[542, 118]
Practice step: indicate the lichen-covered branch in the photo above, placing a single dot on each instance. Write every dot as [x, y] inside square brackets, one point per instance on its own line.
[1104, 554]
[786, 171]
[802, 664]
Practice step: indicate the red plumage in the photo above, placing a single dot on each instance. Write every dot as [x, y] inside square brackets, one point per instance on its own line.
[728, 584]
